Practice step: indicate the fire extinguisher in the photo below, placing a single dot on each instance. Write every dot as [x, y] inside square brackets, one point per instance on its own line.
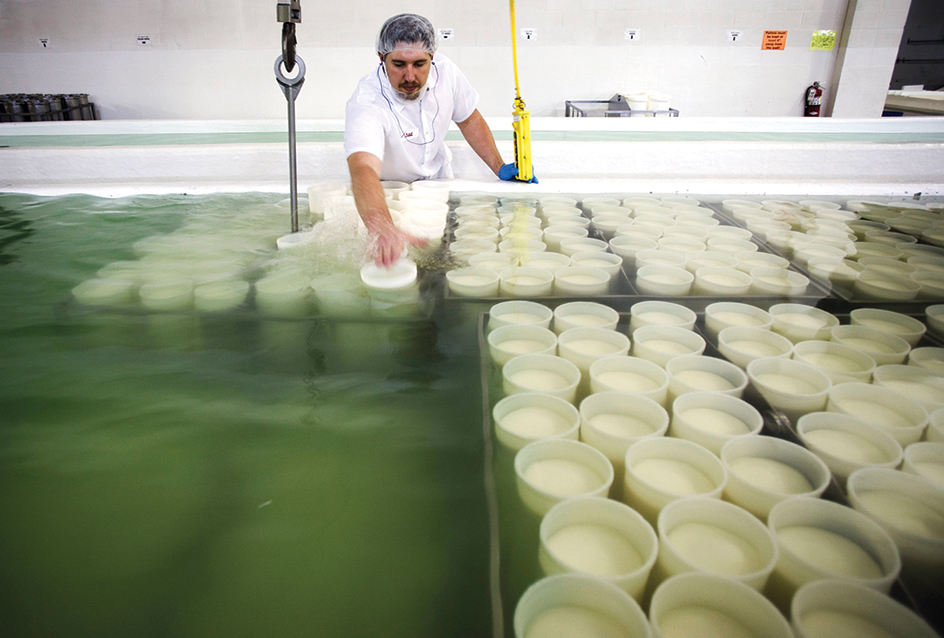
[814, 97]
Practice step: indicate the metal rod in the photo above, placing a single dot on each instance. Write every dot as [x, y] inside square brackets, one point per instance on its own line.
[292, 169]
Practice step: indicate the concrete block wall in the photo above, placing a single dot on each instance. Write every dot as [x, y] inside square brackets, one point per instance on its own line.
[213, 59]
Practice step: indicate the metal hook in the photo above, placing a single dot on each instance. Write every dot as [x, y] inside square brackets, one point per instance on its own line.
[291, 87]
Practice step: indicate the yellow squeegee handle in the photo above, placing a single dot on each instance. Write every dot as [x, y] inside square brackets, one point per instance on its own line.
[521, 122]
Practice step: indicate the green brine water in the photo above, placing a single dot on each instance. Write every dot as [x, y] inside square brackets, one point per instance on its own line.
[229, 473]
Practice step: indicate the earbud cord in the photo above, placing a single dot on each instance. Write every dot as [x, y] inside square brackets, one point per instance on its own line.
[397, 117]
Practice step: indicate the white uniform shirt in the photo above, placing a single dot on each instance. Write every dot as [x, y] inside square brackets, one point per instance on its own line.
[409, 137]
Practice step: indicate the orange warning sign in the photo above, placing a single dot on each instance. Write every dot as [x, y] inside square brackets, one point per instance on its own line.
[774, 41]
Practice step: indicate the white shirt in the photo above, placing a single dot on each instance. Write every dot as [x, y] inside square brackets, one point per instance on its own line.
[408, 136]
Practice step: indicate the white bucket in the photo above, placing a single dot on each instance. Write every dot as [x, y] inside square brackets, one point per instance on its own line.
[531, 416]
[553, 470]
[599, 537]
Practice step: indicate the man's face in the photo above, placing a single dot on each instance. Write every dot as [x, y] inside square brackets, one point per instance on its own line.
[408, 70]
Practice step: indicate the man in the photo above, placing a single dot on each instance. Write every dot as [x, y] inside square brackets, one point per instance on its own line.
[396, 122]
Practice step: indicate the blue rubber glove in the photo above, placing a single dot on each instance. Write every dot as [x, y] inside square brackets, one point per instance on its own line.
[509, 173]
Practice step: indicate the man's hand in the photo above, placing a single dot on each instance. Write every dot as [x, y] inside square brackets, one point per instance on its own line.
[509, 173]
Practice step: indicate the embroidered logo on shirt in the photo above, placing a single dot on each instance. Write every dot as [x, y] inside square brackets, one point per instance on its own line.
[407, 135]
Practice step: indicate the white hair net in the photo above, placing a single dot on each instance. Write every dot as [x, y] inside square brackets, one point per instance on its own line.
[406, 31]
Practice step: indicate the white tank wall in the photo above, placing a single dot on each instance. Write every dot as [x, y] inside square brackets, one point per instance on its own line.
[873, 157]
[214, 59]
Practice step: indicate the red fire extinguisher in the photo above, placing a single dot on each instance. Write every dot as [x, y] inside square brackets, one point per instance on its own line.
[814, 97]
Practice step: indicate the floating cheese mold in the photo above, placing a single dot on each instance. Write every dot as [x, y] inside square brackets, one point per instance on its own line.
[473, 282]
[507, 342]
[525, 281]
[630, 375]
[554, 470]
[846, 443]
[607, 262]
[579, 605]
[829, 609]
[721, 281]
[765, 470]
[711, 536]
[104, 292]
[695, 604]
[693, 373]
[895, 323]
[220, 296]
[742, 344]
[793, 387]
[659, 344]
[670, 281]
[662, 470]
[898, 415]
[519, 312]
[584, 314]
[531, 416]
[541, 373]
[911, 509]
[926, 459]
[599, 537]
[724, 314]
[820, 539]
[613, 421]
[798, 322]
[840, 362]
[583, 346]
[551, 262]
[496, 262]
[661, 313]
[883, 347]
[580, 281]
[922, 386]
[711, 419]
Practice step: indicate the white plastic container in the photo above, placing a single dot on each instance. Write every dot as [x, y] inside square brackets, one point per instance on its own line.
[765, 470]
[507, 342]
[473, 282]
[220, 296]
[660, 313]
[662, 470]
[669, 281]
[630, 375]
[519, 313]
[693, 373]
[607, 262]
[105, 291]
[659, 344]
[583, 346]
[554, 470]
[883, 347]
[599, 537]
[901, 417]
[711, 536]
[551, 262]
[711, 419]
[724, 314]
[695, 604]
[922, 386]
[903, 326]
[798, 322]
[793, 387]
[524, 281]
[846, 443]
[873, 284]
[541, 373]
[911, 509]
[819, 539]
[580, 605]
[778, 282]
[496, 262]
[613, 421]
[841, 363]
[711, 281]
[340, 296]
[171, 295]
[929, 358]
[740, 344]
[580, 281]
[531, 416]
[830, 608]
[584, 314]
[626, 246]
[553, 235]
[659, 257]
[926, 459]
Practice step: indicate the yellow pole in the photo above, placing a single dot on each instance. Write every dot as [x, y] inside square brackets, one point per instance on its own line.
[522, 118]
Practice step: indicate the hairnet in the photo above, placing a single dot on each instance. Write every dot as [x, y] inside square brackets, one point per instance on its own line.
[406, 29]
